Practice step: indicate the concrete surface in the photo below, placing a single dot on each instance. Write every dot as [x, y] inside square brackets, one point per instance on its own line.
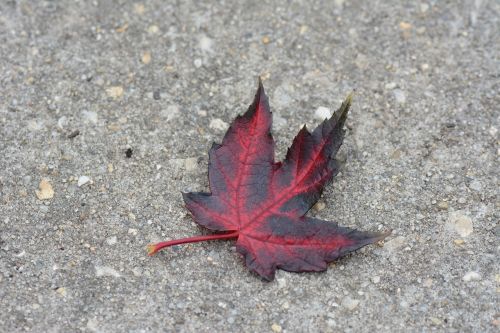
[84, 81]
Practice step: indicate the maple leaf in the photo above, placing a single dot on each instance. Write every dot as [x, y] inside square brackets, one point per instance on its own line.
[262, 203]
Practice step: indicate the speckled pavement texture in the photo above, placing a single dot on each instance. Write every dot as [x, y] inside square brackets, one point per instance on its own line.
[108, 109]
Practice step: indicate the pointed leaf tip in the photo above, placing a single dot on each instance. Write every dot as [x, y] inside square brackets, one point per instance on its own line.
[383, 235]
[348, 100]
[260, 88]
[340, 115]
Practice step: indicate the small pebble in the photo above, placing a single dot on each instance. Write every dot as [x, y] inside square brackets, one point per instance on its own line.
[139, 8]
[282, 282]
[322, 113]
[390, 85]
[62, 122]
[111, 240]
[218, 124]
[276, 328]
[146, 58]
[73, 134]
[206, 44]
[115, 92]
[61, 291]
[349, 303]
[362, 61]
[443, 205]
[82, 180]
[123, 28]
[471, 276]
[339, 3]
[265, 40]
[435, 321]
[421, 30]
[106, 271]
[90, 116]
[198, 62]
[45, 190]
[427, 283]
[153, 29]
[319, 206]
[405, 29]
[400, 96]
[459, 223]
[35, 125]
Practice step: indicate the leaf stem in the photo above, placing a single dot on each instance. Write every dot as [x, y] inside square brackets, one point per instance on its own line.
[153, 248]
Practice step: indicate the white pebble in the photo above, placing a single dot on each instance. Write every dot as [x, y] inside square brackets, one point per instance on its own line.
[35, 125]
[106, 271]
[90, 116]
[471, 276]
[282, 282]
[350, 303]
[322, 113]
[339, 3]
[390, 85]
[206, 44]
[62, 122]
[218, 124]
[400, 96]
[82, 180]
[459, 223]
[276, 328]
[197, 63]
[111, 240]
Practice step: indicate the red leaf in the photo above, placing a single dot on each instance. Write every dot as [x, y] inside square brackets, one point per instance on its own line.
[262, 203]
